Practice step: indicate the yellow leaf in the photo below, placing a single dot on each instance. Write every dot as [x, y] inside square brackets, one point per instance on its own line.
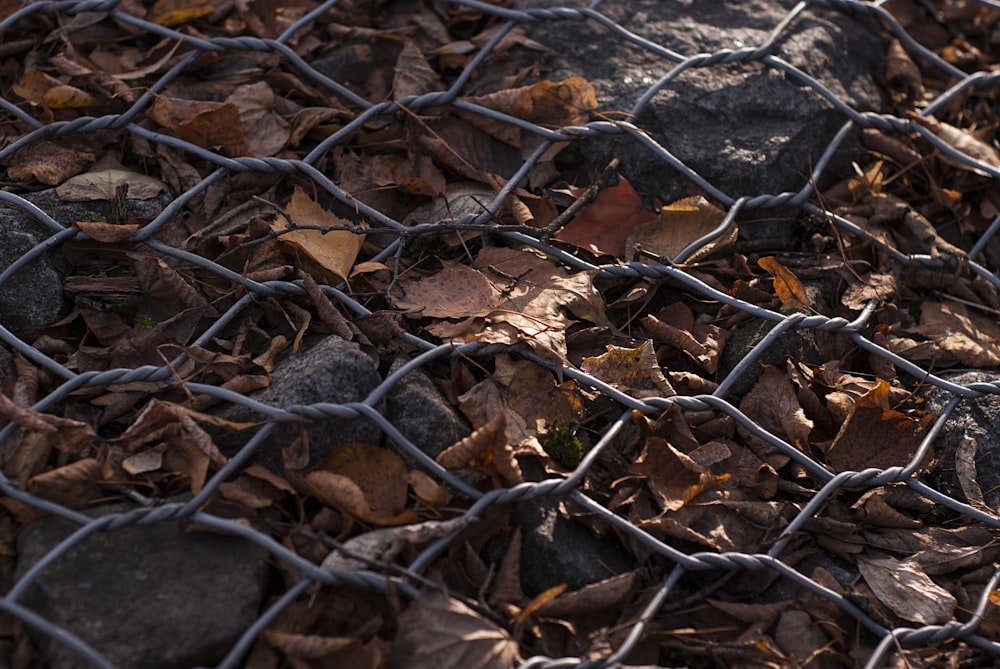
[171, 13]
[334, 251]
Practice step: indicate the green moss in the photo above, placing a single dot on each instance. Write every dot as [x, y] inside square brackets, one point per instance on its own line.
[560, 442]
[145, 321]
[431, 245]
[92, 217]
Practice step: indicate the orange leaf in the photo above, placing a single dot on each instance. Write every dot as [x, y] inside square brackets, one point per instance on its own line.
[607, 223]
[789, 289]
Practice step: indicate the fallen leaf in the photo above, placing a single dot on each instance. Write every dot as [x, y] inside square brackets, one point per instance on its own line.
[904, 587]
[680, 224]
[606, 224]
[383, 546]
[549, 104]
[532, 298]
[673, 477]
[412, 74]
[438, 632]
[773, 404]
[486, 449]
[189, 449]
[41, 90]
[457, 291]
[265, 130]
[210, 125]
[787, 286]
[75, 485]
[107, 233]
[675, 326]
[366, 481]
[172, 13]
[104, 178]
[47, 162]
[873, 435]
[633, 371]
[334, 251]
[591, 598]
[972, 338]
[872, 286]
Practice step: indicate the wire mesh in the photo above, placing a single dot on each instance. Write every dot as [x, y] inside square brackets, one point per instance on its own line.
[680, 563]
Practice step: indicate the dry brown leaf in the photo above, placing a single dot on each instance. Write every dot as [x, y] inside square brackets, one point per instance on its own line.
[774, 405]
[900, 75]
[413, 75]
[964, 141]
[265, 130]
[678, 225]
[904, 587]
[104, 178]
[457, 291]
[210, 125]
[383, 546]
[703, 342]
[966, 334]
[334, 251]
[438, 632]
[547, 103]
[75, 485]
[64, 434]
[966, 471]
[488, 449]
[872, 286]
[42, 90]
[633, 371]
[107, 233]
[310, 650]
[45, 161]
[787, 286]
[378, 473]
[190, 450]
[532, 304]
[873, 435]
[592, 597]
[673, 478]
[427, 489]
[506, 588]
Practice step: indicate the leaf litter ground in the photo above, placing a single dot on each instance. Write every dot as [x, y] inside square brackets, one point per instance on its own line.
[692, 478]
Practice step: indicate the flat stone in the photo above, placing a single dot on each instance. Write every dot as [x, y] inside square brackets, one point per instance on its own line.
[558, 550]
[418, 409]
[333, 371]
[977, 420]
[748, 128]
[150, 597]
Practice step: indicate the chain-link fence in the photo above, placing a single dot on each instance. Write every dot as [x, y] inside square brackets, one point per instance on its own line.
[677, 561]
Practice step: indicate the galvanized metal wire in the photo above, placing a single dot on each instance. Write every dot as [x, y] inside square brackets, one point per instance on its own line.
[682, 563]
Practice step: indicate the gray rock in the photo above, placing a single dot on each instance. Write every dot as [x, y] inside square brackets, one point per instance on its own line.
[418, 409]
[747, 128]
[977, 419]
[152, 596]
[559, 550]
[333, 371]
[797, 344]
[33, 298]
